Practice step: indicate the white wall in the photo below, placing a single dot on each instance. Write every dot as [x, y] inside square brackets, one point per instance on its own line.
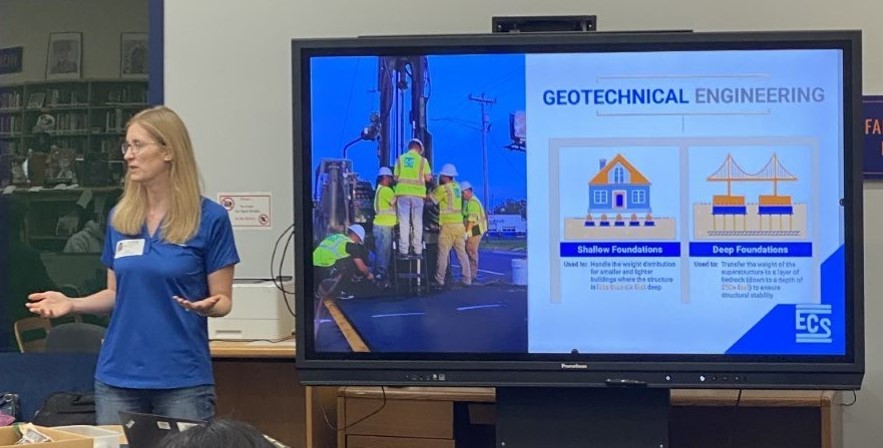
[228, 74]
[28, 23]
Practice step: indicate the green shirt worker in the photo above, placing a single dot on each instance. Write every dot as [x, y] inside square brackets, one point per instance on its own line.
[449, 199]
[412, 172]
[385, 219]
[476, 225]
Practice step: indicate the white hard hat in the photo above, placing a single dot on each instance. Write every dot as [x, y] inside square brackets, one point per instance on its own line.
[417, 141]
[448, 170]
[358, 230]
[384, 171]
[465, 185]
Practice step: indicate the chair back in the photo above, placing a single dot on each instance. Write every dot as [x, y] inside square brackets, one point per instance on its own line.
[75, 337]
[30, 333]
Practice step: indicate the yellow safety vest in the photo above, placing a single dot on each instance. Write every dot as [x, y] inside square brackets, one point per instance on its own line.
[384, 211]
[331, 249]
[474, 212]
[411, 170]
[450, 203]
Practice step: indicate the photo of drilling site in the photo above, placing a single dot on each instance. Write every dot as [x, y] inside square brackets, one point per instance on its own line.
[419, 204]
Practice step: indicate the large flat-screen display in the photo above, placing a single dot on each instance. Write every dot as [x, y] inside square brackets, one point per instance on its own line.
[680, 209]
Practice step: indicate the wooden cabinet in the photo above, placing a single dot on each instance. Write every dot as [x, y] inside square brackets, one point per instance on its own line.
[407, 417]
[416, 417]
[257, 382]
[396, 442]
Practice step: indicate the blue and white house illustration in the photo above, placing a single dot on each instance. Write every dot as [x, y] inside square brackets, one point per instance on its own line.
[619, 207]
[619, 190]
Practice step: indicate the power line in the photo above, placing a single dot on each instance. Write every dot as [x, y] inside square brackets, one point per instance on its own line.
[485, 103]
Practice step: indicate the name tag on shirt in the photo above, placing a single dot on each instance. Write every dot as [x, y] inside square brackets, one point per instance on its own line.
[129, 248]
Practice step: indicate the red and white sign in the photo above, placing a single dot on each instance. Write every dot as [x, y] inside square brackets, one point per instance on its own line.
[248, 210]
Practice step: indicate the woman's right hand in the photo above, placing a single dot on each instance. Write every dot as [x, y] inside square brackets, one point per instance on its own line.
[50, 304]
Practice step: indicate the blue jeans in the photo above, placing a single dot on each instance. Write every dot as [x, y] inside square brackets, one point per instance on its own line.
[196, 403]
[383, 246]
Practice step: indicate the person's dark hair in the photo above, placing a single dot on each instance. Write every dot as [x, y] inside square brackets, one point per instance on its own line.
[219, 432]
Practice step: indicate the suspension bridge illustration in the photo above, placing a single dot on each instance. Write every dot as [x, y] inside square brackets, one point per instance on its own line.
[772, 216]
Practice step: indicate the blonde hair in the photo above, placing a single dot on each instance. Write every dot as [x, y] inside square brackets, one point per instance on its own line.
[181, 221]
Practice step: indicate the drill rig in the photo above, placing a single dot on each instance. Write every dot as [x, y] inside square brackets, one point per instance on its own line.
[342, 197]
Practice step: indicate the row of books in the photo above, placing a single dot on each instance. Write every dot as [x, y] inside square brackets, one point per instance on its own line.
[127, 95]
[10, 100]
[57, 97]
[66, 97]
[67, 122]
[116, 119]
[10, 124]
[9, 147]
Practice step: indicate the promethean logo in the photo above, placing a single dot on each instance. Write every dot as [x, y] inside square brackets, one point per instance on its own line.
[573, 366]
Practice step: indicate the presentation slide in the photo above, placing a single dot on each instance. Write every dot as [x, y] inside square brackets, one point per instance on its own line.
[685, 202]
[626, 203]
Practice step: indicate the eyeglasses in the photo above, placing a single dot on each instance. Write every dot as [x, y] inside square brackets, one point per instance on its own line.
[135, 146]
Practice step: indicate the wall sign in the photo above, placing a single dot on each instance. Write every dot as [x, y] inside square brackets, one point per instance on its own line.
[248, 210]
[872, 124]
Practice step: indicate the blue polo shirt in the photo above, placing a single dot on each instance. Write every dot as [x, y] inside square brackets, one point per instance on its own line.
[152, 342]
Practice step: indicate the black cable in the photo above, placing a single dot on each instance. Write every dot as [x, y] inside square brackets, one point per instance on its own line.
[285, 300]
[285, 252]
[733, 420]
[281, 263]
[854, 399]
[273, 276]
[277, 276]
[359, 420]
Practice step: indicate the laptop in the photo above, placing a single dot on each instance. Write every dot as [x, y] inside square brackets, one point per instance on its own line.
[148, 430]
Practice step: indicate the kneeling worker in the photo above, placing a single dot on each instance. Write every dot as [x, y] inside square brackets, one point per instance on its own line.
[342, 258]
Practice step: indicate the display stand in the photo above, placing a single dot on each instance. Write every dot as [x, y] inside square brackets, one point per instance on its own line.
[613, 417]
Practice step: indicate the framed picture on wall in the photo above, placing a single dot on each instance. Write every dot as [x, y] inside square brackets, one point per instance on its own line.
[133, 55]
[65, 56]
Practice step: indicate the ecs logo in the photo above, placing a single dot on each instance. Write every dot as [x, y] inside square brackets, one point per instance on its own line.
[812, 324]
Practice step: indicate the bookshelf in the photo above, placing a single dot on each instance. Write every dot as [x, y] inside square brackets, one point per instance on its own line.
[86, 118]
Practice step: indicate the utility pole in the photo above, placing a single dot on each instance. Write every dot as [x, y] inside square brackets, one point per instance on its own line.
[485, 128]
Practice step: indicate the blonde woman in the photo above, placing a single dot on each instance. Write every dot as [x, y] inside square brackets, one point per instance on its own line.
[170, 255]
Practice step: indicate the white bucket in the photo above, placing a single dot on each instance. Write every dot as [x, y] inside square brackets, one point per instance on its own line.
[519, 271]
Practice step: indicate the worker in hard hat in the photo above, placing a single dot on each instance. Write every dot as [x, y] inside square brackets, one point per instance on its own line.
[476, 225]
[385, 219]
[411, 172]
[342, 258]
[449, 199]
